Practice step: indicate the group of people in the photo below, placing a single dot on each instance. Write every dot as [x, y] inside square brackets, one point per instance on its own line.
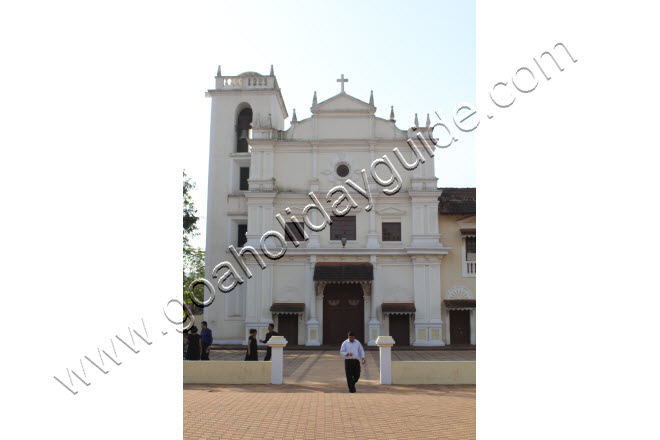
[251, 353]
[197, 346]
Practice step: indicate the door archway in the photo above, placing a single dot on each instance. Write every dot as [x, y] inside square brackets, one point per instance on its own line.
[343, 310]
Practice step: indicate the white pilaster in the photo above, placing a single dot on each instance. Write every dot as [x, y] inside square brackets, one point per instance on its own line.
[428, 320]
[313, 322]
[372, 235]
[314, 237]
[267, 292]
[376, 295]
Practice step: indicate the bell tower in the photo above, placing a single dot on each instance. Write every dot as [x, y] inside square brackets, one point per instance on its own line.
[241, 191]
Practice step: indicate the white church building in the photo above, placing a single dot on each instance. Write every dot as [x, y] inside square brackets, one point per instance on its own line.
[375, 271]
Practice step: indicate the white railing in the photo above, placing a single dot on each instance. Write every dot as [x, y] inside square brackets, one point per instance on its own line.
[471, 267]
[231, 82]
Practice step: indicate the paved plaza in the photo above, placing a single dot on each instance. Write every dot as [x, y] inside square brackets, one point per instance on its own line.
[327, 366]
[314, 403]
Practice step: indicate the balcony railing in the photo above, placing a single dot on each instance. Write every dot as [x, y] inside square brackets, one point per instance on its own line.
[245, 82]
[471, 267]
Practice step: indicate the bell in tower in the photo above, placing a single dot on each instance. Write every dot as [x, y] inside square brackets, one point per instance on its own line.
[243, 127]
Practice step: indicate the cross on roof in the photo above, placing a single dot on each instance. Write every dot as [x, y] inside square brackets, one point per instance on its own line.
[342, 81]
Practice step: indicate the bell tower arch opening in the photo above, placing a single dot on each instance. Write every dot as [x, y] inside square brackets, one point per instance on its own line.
[243, 129]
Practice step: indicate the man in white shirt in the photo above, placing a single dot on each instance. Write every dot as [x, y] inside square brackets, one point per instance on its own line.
[352, 351]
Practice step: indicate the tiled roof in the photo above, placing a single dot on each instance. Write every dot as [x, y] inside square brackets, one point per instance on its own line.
[398, 307]
[457, 201]
[343, 272]
[461, 303]
[287, 307]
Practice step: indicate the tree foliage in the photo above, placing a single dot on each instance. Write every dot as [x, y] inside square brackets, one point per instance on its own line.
[193, 257]
[189, 211]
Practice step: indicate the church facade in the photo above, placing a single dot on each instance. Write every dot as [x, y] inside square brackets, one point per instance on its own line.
[376, 270]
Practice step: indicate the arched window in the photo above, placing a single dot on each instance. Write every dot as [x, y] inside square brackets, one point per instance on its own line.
[243, 127]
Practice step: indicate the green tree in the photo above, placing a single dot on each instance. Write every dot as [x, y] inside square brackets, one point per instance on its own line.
[193, 257]
[189, 211]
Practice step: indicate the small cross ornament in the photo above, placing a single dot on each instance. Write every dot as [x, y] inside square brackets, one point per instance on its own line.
[342, 81]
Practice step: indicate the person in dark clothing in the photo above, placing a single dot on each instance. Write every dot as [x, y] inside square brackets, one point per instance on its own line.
[185, 344]
[194, 345]
[271, 332]
[207, 340]
[251, 353]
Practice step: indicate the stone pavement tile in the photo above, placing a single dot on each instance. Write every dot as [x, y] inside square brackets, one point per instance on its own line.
[313, 402]
[328, 411]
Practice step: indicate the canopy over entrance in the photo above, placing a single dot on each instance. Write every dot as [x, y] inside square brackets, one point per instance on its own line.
[398, 308]
[458, 304]
[284, 308]
[343, 272]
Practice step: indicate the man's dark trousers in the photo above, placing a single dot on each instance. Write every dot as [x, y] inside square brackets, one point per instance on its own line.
[352, 367]
[205, 355]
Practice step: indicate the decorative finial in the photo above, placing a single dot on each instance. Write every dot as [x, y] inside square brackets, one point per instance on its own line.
[295, 118]
[416, 121]
[391, 113]
[314, 101]
[342, 81]
[219, 74]
[272, 72]
[371, 98]
[428, 121]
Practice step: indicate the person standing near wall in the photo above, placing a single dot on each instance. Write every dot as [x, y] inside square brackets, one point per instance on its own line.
[251, 353]
[194, 345]
[271, 333]
[207, 340]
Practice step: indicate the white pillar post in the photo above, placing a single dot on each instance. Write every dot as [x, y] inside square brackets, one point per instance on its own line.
[276, 344]
[385, 344]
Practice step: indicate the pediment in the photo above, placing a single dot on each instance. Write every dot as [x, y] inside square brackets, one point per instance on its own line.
[468, 222]
[343, 103]
[391, 211]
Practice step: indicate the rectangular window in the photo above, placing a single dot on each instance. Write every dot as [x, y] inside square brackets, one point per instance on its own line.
[245, 175]
[391, 231]
[342, 227]
[242, 239]
[292, 229]
[470, 248]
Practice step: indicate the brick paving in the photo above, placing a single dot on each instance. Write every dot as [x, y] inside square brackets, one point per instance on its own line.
[314, 403]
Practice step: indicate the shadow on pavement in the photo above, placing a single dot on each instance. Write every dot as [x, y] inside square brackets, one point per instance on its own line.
[370, 387]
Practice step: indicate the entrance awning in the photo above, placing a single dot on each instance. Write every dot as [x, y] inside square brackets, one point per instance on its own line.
[398, 308]
[287, 308]
[454, 304]
[342, 272]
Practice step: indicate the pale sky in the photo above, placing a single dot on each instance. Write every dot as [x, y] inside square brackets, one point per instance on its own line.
[417, 56]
